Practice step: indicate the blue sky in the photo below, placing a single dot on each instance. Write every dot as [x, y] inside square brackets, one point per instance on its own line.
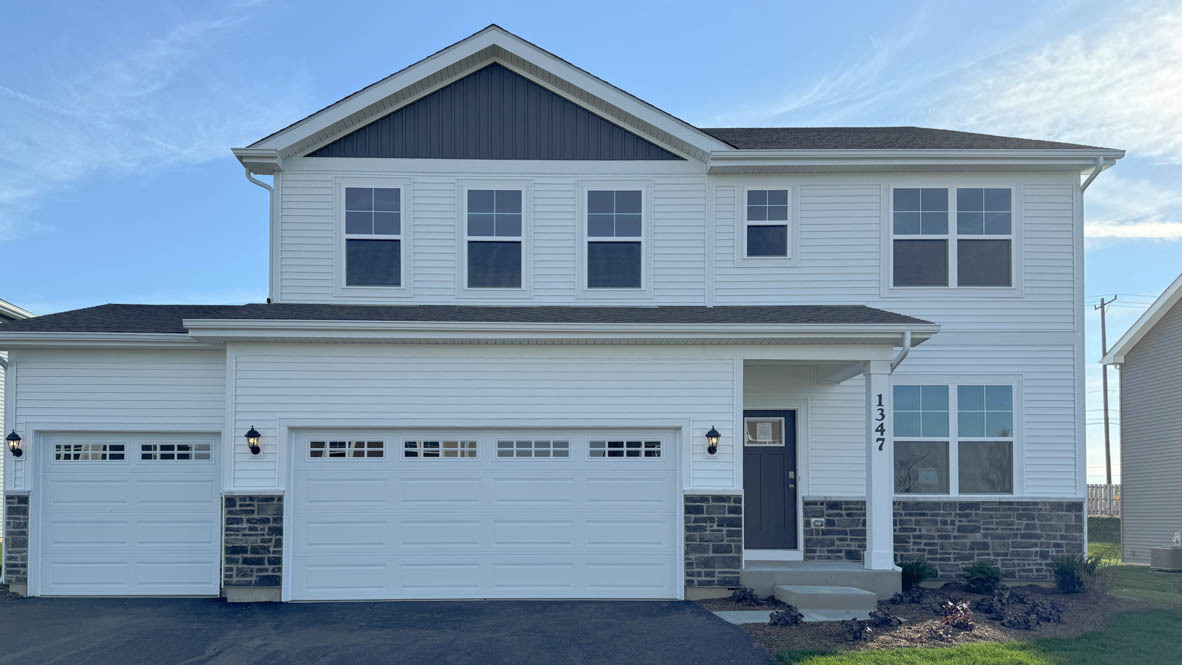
[117, 184]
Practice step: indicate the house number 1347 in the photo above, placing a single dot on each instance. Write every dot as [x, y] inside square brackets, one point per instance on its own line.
[880, 418]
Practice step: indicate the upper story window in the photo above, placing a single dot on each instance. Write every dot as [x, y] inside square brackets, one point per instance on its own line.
[766, 226]
[373, 236]
[929, 248]
[494, 238]
[954, 439]
[615, 239]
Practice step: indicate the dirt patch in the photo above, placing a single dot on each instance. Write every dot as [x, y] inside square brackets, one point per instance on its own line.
[1080, 613]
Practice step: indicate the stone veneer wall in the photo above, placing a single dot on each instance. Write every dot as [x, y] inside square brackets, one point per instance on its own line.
[1019, 536]
[16, 538]
[713, 540]
[253, 541]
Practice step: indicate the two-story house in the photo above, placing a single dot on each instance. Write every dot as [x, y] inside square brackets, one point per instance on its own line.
[529, 336]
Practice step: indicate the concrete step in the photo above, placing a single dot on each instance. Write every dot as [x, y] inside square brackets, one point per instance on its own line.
[764, 576]
[812, 598]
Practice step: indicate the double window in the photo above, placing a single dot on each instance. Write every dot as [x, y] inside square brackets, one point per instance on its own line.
[766, 226]
[373, 236]
[494, 238]
[615, 239]
[960, 236]
[967, 427]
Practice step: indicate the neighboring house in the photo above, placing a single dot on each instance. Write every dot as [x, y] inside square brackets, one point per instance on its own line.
[1149, 357]
[8, 312]
[531, 336]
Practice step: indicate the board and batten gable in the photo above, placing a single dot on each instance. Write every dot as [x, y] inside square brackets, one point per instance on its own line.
[64, 390]
[1151, 443]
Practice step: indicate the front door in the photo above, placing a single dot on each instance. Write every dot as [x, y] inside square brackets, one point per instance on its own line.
[769, 480]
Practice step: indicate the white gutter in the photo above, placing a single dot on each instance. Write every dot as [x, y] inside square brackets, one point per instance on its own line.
[13, 340]
[260, 183]
[1099, 168]
[902, 352]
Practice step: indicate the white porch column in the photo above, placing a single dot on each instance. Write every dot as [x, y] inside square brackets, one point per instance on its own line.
[880, 545]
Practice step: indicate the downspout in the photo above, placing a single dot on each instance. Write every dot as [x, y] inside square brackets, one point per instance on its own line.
[1095, 172]
[267, 187]
[903, 351]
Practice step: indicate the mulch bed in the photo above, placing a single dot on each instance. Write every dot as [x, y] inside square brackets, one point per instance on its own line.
[5, 594]
[1081, 613]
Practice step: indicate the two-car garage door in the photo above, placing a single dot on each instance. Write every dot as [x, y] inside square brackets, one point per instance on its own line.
[129, 515]
[382, 515]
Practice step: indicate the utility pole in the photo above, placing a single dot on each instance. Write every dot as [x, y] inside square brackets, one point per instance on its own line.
[1103, 307]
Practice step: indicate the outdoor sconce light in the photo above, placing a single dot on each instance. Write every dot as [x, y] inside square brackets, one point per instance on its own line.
[712, 438]
[14, 443]
[252, 440]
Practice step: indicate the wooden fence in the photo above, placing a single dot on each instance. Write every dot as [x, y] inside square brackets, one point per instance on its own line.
[1103, 500]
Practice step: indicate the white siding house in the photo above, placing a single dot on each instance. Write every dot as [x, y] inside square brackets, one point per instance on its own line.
[1149, 357]
[529, 336]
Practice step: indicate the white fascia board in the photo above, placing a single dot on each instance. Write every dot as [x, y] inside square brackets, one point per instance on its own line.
[426, 330]
[13, 312]
[90, 340]
[1164, 303]
[264, 161]
[1082, 160]
[490, 36]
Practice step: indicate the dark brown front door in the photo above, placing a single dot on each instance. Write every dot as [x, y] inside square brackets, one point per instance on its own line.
[769, 480]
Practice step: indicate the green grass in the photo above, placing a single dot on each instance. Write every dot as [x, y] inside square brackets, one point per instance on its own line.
[1132, 638]
[1109, 552]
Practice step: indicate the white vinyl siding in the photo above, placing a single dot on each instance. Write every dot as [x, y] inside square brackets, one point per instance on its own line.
[499, 386]
[145, 390]
[1150, 439]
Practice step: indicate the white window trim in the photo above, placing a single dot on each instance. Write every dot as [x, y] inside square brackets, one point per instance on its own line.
[129, 448]
[741, 258]
[195, 442]
[406, 289]
[646, 233]
[401, 441]
[526, 240]
[570, 449]
[642, 458]
[954, 438]
[307, 443]
[888, 288]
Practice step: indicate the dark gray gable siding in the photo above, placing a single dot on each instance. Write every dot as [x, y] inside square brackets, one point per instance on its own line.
[493, 113]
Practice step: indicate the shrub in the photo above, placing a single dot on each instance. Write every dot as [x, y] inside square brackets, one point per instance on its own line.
[855, 630]
[916, 571]
[789, 616]
[912, 596]
[883, 618]
[1073, 572]
[745, 596]
[981, 576]
[958, 615]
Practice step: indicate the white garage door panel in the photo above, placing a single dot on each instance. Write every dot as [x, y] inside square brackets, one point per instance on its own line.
[130, 526]
[575, 527]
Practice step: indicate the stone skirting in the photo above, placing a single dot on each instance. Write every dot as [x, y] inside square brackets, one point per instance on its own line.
[16, 541]
[253, 547]
[1019, 536]
[713, 540]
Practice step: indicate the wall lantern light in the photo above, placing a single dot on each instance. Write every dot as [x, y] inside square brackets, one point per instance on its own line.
[14, 443]
[712, 438]
[252, 440]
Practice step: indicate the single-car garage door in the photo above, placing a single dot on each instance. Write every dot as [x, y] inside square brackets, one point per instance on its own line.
[129, 514]
[380, 515]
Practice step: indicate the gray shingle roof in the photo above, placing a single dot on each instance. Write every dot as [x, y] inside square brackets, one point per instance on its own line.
[876, 138]
[167, 318]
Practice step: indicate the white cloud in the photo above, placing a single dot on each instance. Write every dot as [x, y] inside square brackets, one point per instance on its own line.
[1133, 230]
[161, 102]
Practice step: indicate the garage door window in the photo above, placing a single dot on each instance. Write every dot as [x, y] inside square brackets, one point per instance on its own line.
[625, 448]
[346, 449]
[439, 449]
[518, 448]
[88, 452]
[175, 452]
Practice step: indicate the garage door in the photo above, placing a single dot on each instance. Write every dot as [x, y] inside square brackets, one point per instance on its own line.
[130, 515]
[382, 515]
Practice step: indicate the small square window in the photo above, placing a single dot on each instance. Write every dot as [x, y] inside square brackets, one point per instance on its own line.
[986, 467]
[921, 467]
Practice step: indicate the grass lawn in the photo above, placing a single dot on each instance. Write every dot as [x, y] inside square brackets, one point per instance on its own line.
[1141, 637]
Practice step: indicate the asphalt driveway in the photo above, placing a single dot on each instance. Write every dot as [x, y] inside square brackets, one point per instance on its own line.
[167, 631]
